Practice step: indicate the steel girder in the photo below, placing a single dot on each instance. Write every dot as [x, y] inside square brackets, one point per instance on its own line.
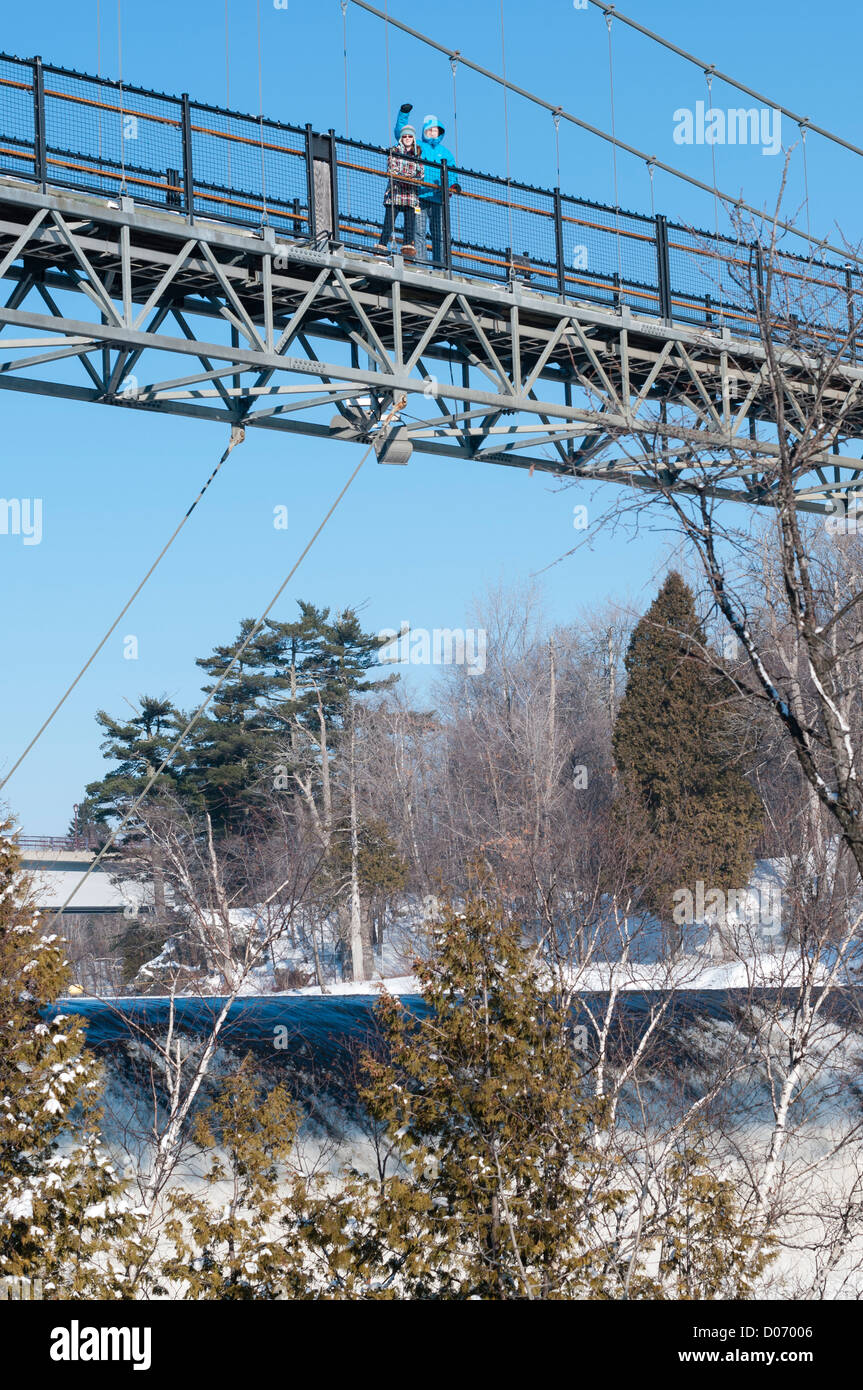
[122, 305]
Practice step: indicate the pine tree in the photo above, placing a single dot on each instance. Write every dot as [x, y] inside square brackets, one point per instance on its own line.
[265, 724]
[229, 757]
[138, 746]
[63, 1209]
[673, 750]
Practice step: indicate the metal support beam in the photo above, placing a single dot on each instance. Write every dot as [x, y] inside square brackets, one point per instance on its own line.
[279, 333]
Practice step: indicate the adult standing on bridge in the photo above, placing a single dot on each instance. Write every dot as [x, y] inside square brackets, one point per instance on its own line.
[434, 153]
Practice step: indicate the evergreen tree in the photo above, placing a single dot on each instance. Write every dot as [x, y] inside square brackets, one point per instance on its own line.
[138, 746]
[503, 1194]
[230, 1249]
[63, 1209]
[708, 1249]
[382, 871]
[331, 661]
[282, 711]
[673, 749]
[229, 756]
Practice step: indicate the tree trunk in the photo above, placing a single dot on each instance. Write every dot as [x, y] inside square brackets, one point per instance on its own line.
[356, 923]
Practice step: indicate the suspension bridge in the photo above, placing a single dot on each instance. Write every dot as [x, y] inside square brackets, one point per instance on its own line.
[161, 254]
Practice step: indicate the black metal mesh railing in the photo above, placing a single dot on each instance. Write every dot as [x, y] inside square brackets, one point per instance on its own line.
[17, 134]
[112, 140]
[72, 130]
[249, 170]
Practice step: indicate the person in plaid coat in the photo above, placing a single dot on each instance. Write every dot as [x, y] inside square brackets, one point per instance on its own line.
[405, 175]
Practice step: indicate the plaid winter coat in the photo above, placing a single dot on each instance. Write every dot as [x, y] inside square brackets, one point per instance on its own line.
[400, 167]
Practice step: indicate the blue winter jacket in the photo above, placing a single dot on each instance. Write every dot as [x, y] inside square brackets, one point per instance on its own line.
[433, 152]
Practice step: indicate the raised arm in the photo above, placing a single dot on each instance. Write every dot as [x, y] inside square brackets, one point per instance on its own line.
[402, 118]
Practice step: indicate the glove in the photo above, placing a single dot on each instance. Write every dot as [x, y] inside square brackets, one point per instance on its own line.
[406, 106]
[455, 188]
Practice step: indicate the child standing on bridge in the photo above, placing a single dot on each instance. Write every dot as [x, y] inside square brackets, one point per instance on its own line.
[405, 172]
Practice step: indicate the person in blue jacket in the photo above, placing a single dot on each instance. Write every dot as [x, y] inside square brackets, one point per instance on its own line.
[434, 153]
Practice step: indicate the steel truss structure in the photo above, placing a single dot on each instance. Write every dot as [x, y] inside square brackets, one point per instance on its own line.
[111, 302]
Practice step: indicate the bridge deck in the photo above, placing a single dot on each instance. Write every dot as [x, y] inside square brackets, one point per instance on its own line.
[246, 245]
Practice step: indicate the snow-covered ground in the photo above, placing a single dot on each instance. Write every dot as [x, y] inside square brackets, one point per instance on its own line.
[738, 943]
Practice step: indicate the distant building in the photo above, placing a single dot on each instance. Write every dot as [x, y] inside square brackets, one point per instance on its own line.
[102, 908]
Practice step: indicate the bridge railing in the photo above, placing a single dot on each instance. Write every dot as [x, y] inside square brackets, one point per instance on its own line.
[68, 129]
[53, 842]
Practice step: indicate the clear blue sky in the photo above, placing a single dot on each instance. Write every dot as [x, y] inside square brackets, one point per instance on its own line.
[417, 543]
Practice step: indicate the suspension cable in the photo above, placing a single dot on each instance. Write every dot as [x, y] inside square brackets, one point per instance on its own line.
[395, 408]
[731, 200]
[237, 435]
[724, 77]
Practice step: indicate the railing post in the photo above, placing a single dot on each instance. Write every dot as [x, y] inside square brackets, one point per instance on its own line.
[40, 144]
[759, 276]
[188, 180]
[558, 244]
[445, 218]
[323, 195]
[334, 185]
[663, 268]
[852, 318]
[310, 184]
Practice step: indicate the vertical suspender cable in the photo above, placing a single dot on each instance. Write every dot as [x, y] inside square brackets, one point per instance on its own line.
[99, 70]
[264, 219]
[228, 85]
[720, 289]
[122, 113]
[506, 131]
[389, 114]
[344, 7]
[805, 177]
[806, 186]
[453, 62]
[555, 115]
[608, 20]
